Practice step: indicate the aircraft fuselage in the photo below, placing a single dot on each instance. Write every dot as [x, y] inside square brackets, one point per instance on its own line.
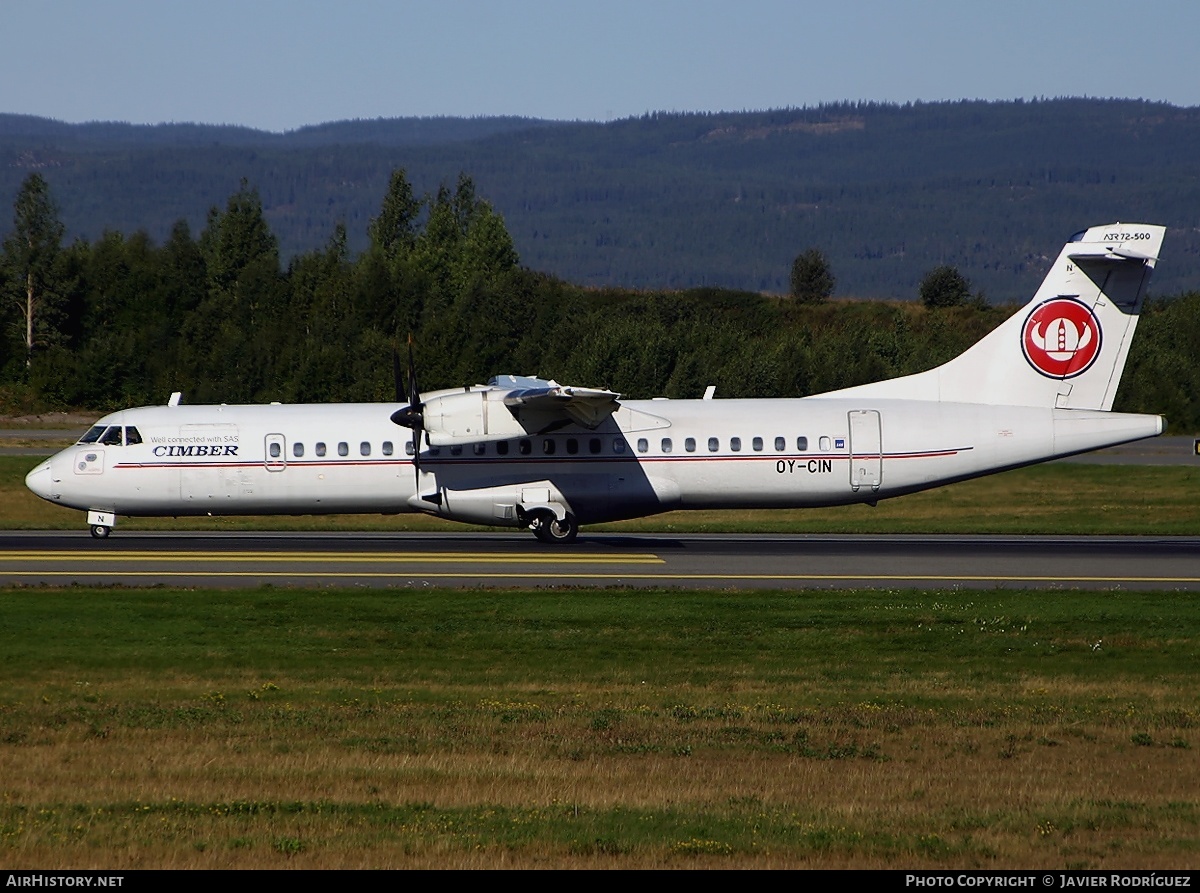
[651, 456]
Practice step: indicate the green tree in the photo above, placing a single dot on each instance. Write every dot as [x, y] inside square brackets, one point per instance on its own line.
[319, 358]
[439, 239]
[30, 253]
[183, 271]
[944, 286]
[238, 240]
[394, 232]
[234, 336]
[465, 258]
[388, 274]
[812, 280]
[485, 252]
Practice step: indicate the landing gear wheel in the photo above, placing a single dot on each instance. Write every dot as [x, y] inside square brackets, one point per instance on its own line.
[100, 531]
[558, 533]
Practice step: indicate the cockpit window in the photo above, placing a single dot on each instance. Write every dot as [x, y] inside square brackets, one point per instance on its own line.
[93, 434]
[111, 436]
[132, 436]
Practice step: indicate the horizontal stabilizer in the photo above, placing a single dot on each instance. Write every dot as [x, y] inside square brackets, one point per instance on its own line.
[1087, 253]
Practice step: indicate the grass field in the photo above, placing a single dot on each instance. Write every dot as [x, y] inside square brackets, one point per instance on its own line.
[581, 728]
[343, 728]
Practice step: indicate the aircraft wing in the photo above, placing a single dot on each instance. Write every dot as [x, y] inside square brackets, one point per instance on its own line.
[548, 399]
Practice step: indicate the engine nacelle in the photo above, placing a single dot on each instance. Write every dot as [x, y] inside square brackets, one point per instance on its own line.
[471, 416]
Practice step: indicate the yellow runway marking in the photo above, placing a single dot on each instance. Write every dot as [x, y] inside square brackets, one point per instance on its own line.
[334, 557]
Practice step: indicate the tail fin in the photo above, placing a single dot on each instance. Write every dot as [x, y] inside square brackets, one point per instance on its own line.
[1067, 347]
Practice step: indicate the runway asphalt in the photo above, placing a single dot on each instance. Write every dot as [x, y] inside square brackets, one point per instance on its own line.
[716, 561]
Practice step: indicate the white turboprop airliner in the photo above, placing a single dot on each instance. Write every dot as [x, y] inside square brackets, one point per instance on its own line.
[525, 452]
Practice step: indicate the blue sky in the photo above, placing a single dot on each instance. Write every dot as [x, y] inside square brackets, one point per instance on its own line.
[281, 65]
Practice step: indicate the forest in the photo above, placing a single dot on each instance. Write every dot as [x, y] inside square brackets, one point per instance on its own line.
[673, 200]
[125, 320]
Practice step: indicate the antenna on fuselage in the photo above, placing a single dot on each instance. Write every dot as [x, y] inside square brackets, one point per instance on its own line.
[176, 397]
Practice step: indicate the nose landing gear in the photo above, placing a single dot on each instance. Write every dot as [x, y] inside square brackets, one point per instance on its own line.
[101, 523]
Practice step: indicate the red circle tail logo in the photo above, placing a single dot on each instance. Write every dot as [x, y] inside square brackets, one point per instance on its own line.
[1061, 338]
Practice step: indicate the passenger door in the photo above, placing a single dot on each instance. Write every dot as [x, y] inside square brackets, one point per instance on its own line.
[866, 449]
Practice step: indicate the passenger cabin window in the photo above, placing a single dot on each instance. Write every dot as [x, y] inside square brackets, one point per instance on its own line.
[618, 445]
[364, 448]
[780, 444]
[594, 446]
[757, 443]
[480, 449]
[297, 450]
[319, 449]
[802, 444]
[524, 447]
[666, 445]
[132, 436]
[572, 446]
[547, 447]
[275, 450]
[690, 444]
[643, 445]
[408, 447]
[387, 447]
[713, 444]
[456, 450]
[735, 444]
[502, 448]
[825, 444]
[343, 449]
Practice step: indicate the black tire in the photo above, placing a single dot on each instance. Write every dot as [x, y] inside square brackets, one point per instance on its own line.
[555, 532]
[100, 531]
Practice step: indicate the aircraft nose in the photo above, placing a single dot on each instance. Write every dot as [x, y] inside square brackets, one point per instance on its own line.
[41, 481]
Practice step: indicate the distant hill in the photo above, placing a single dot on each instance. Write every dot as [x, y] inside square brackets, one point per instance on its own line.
[679, 200]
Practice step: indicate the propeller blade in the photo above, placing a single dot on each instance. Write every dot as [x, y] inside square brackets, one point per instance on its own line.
[413, 415]
[396, 375]
[414, 395]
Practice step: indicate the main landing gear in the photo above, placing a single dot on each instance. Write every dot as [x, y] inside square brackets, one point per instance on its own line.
[549, 529]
